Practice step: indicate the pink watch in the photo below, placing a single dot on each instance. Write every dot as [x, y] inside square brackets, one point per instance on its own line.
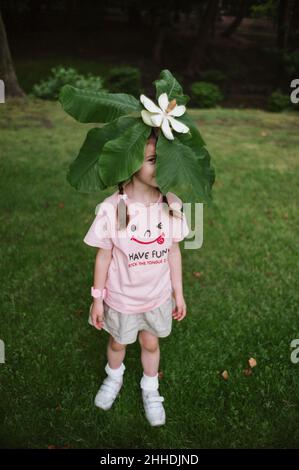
[98, 294]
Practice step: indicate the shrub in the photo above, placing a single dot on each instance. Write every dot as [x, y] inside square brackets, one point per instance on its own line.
[124, 79]
[214, 76]
[278, 101]
[291, 64]
[206, 95]
[49, 89]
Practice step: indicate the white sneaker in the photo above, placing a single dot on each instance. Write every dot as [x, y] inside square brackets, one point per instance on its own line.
[154, 410]
[108, 392]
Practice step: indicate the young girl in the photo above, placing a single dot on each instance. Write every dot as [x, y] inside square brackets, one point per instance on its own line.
[137, 278]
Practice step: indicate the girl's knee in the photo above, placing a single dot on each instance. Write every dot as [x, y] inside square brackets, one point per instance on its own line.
[115, 345]
[148, 341]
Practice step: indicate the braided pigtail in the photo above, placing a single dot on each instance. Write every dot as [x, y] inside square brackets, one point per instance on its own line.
[172, 212]
[122, 214]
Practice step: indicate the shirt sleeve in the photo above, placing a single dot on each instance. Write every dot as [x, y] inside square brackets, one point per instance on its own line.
[98, 234]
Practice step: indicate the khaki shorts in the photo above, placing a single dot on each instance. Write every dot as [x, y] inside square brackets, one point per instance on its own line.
[124, 327]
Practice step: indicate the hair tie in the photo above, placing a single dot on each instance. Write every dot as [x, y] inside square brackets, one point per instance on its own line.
[123, 196]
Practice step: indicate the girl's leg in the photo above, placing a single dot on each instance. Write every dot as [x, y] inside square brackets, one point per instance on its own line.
[115, 369]
[150, 352]
[115, 353]
[149, 383]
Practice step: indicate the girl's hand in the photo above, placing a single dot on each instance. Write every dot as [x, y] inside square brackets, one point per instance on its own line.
[180, 310]
[97, 314]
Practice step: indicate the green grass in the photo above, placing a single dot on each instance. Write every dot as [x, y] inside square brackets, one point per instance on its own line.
[244, 305]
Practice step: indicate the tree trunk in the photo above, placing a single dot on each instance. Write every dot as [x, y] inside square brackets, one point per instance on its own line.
[237, 21]
[201, 41]
[283, 22]
[294, 27]
[7, 72]
[161, 28]
[158, 47]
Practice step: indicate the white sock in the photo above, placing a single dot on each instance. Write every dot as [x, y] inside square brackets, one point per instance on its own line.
[149, 383]
[115, 373]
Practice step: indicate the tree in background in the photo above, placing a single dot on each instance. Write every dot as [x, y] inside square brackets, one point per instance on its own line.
[241, 12]
[7, 71]
[205, 28]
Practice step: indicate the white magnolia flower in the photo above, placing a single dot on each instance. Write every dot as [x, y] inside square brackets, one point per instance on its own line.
[162, 116]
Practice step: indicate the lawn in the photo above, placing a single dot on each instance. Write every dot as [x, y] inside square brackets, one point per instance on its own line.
[244, 304]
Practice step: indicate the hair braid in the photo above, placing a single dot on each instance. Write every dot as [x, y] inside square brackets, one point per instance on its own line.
[122, 214]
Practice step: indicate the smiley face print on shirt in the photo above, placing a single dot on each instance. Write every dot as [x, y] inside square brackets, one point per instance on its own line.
[146, 241]
[149, 236]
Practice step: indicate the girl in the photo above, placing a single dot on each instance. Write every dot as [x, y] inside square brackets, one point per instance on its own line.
[137, 279]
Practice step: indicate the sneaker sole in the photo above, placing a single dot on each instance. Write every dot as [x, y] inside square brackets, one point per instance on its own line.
[156, 423]
[103, 407]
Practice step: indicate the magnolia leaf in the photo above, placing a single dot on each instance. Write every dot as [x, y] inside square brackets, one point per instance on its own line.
[90, 106]
[208, 171]
[197, 145]
[168, 84]
[179, 170]
[124, 156]
[83, 173]
[192, 138]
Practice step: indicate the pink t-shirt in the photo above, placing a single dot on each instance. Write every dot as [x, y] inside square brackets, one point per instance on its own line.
[138, 277]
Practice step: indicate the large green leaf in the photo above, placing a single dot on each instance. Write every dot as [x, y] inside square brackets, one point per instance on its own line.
[83, 173]
[124, 156]
[180, 171]
[208, 170]
[89, 106]
[168, 84]
[192, 138]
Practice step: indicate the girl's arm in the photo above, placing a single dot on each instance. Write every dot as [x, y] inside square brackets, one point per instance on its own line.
[175, 266]
[102, 262]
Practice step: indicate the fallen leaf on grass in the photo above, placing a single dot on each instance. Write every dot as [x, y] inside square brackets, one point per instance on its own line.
[269, 273]
[79, 312]
[252, 362]
[225, 375]
[247, 372]
[197, 274]
[52, 446]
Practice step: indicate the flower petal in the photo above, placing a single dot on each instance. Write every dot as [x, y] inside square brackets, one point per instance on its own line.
[178, 126]
[157, 119]
[163, 101]
[177, 111]
[166, 129]
[146, 117]
[149, 104]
